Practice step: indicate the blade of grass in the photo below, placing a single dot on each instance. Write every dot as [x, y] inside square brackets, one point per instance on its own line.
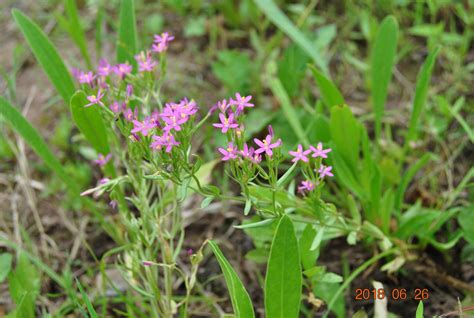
[127, 34]
[279, 91]
[239, 297]
[274, 14]
[46, 54]
[421, 91]
[330, 95]
[383, 59]
[35, 141]
[90, 307]
[76, 31]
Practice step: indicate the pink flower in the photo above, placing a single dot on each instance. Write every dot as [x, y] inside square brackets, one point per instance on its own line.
[266, 145]
[113, 204]
[174, 121]
[161, 42]
[188, 107]
[129, 90]
[144, 127]
[241, 102]
[299, 154]
[167, 140]
[325, 171]
[228, 153]
[306, 186]
[86, 78]
[145, 62]
[116, 107]
[93, 99]
[122, 69]
[222, 105]
[104, 68]
[319, 151]
[247, 152]
[102, 160]
[130, 115]
[226, 123]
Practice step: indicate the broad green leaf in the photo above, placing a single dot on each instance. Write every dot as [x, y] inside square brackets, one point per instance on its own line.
[329, 92]
[345, 133]
[421, 91]
[35, 141]
[290, 114]
[127, 34]
[239, 297]
[407, 177]
[235, 70]
[419, 310]
[76, 31]
[283, 281]
[383, 59]
[90, 123]
[308, 257]
[5, 265]
[466, 221]
[46, 54]
[274, 14]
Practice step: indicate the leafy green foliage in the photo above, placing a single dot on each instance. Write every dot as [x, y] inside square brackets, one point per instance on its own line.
[283, 279]
[240, 298]
[5, 265]
[329, 92]
[24, 284]
[46, 54]
[234, 70]
[383, 59]
[127, 45]
[291, 69]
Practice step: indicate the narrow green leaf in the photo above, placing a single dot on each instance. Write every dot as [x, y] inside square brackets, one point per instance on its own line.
[290, 114]
[421, 91]
[90, 307]
[5, 265]
[329, 92]
[76, 31]
[274, 14]
[239, 297]
[46, 54]
[283, 282]
[419, 310]
[407, 177]
[127, 34]
[383, 59]
[34, 140]
[90, 123]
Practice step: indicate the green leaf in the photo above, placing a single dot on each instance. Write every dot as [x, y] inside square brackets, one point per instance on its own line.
[35, 141]
[329, 92]
[290, 114]
[46, 54]
[407, 177]
[283, 282]
[291, 69]
[466, 221]
[239, 297]
[421, 91]
[274, 14]
[308, 257]
[419, 310]
[90, 123]
[345, 133]
[5, 265]
[383, 59]
[75, 30]
[127, 34]
[234, 69]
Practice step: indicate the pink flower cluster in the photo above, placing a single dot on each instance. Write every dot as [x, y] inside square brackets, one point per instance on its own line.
[315, 152]
[231, 124]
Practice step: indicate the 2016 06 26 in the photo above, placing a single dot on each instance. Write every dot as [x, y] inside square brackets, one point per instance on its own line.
[394, 294]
